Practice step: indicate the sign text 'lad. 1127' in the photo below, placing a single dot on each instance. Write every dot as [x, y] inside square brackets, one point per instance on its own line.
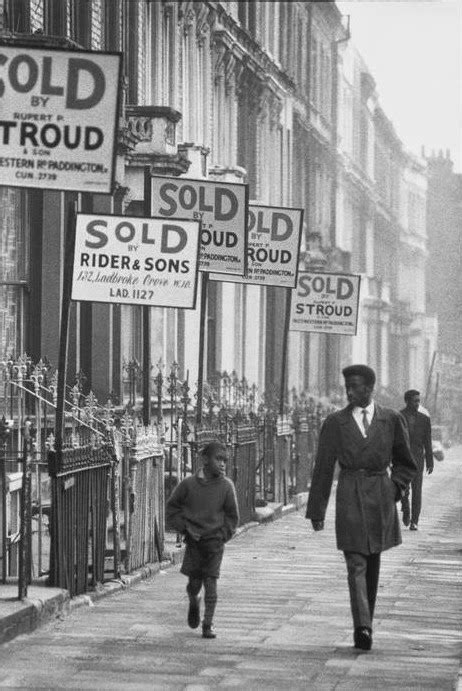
[136, 261]
[325, 303]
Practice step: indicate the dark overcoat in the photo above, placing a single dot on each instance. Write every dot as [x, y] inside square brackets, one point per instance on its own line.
[374, 472]
[420, 436]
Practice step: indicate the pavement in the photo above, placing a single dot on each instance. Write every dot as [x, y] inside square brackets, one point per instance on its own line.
[283, 618]
[44, 603]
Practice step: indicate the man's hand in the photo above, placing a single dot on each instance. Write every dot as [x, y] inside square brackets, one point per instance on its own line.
[317, 525]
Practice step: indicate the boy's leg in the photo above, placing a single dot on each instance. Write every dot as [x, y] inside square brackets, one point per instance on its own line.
[212, 550]
[194, 586]
[210, 599]
[193, 589]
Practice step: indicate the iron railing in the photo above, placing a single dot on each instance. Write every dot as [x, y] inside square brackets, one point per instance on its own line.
[98, 507]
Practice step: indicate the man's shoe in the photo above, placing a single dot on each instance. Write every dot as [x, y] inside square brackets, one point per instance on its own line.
[194, 616]
[363, 638]
[207, 631]
[413, 526]
[406, 518]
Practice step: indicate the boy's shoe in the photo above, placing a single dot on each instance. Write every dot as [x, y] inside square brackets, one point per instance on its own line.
[207, 631]
[194, 616]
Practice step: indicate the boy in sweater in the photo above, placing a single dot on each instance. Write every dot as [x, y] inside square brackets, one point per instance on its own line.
[203, 507]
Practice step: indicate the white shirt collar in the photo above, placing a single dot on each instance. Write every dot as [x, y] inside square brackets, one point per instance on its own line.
[357, 410]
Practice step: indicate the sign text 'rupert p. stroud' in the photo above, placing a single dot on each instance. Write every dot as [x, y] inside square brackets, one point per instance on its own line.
[52, 106]
[273, 244]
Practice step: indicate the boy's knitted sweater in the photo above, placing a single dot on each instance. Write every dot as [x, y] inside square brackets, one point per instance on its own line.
[204, 507]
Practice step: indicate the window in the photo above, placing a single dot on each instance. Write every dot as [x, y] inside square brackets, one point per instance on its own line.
[364, 140]
[167, 45]
[36, 15]
[314, 72]
[13, 270]
[80, 23]
[135, 51]
[247, 16]
[113, 24]
[97, 24]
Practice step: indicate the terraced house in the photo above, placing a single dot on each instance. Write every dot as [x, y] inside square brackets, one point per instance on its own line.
[272, 94]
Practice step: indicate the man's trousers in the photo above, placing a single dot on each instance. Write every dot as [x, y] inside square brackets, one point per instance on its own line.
[363, 581]
[416, 497]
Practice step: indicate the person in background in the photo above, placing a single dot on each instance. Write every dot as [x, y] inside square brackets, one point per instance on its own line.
[371, 446]
[420, 436]
[203, 508]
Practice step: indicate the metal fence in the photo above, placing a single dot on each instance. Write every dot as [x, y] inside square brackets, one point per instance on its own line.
[97, 509]
[79, 482]
[137, 489]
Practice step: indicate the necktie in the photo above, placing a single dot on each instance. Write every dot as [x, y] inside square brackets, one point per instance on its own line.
[365, 421]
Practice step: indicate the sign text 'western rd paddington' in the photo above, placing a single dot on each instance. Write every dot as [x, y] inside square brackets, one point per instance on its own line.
[136, 261]
[325, 302]
[52, 106]
[273, 245]
[221, 209]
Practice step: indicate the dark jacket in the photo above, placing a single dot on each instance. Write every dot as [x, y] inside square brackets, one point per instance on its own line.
[420, 436]
[204, 508]
[374, 472]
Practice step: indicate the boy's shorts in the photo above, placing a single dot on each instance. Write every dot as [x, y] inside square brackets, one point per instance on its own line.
[203, 558]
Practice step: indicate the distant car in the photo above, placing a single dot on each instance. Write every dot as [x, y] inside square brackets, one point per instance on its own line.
[437, 449]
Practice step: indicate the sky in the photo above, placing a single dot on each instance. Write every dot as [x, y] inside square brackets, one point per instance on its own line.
[414, 52]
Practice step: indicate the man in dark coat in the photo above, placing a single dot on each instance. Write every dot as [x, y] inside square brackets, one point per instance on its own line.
[371, 446]
[420, 436]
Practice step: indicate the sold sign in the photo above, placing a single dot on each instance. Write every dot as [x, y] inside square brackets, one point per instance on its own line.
[326, 303]
[136, 261]
[221, 209]
[52, 105]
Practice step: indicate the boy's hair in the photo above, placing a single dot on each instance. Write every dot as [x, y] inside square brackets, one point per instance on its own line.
[410, 394]
[212, 449]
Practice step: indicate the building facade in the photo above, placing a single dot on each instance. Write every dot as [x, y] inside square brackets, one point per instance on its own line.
[444, 287]
[273, 95]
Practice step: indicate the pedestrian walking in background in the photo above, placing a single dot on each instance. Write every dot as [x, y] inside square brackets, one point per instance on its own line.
[203, 507]
[371, 446]
[420, 437]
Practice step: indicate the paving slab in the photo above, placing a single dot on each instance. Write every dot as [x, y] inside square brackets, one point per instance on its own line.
[283, 618]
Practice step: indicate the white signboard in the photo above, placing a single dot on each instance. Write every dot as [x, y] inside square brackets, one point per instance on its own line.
[221, 209]
[136, 261]
[58, 118]
[273, 247]
[325, 302]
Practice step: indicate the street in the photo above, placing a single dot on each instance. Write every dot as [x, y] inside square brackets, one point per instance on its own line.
[283, 619]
